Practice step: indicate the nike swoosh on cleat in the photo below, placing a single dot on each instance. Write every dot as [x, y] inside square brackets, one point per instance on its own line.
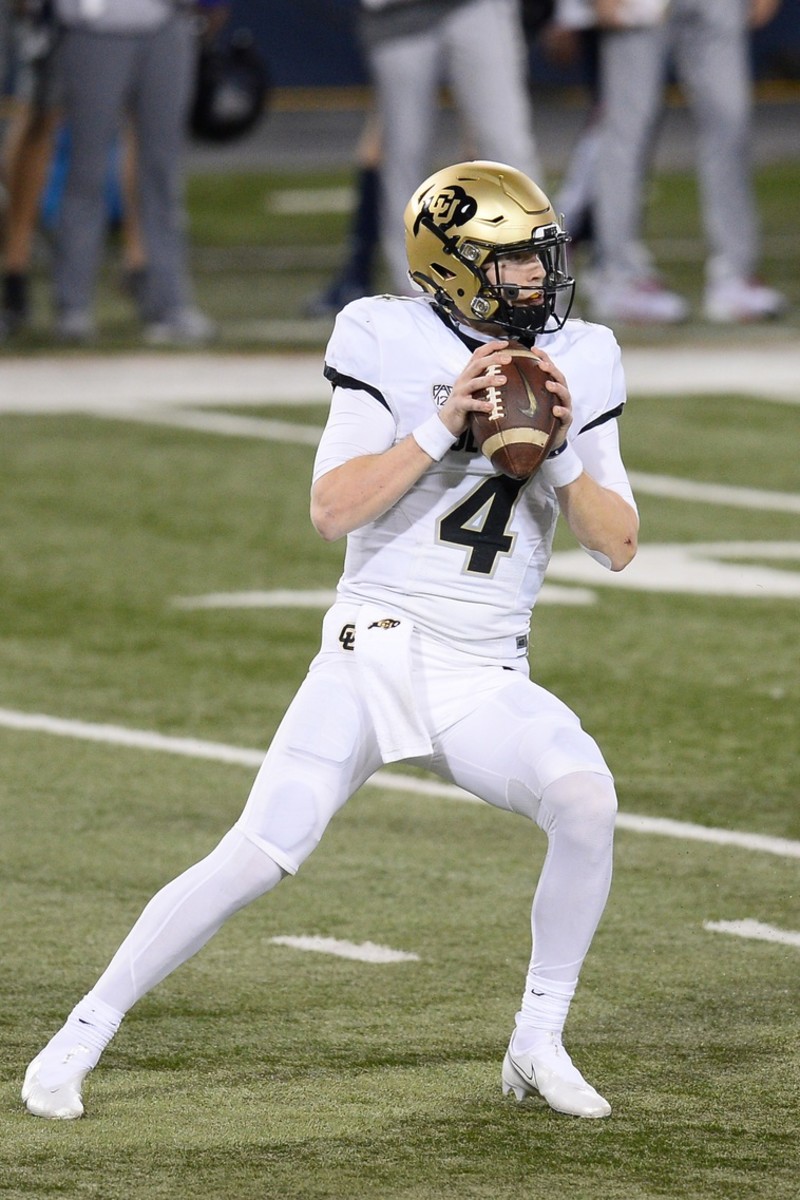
[530, 1077]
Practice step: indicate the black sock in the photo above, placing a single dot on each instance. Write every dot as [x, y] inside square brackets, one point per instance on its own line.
[15, 293]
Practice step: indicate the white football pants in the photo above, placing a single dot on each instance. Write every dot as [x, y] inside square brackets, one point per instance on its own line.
[516, 746]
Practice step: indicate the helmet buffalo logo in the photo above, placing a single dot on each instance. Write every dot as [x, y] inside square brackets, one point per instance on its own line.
[449, 208]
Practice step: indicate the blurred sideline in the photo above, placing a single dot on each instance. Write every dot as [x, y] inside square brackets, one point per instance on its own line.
[111, 384]
[318, 129]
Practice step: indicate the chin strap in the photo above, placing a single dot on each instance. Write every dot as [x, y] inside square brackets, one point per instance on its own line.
[526, 337]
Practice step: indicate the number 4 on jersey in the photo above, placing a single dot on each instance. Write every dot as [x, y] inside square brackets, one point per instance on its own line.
[480, 522]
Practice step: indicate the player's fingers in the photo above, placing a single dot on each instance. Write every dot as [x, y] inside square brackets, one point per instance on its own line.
[491, 352]
[491, 378]
[552, 370]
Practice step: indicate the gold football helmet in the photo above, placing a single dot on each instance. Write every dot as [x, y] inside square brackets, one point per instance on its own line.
[461, 222]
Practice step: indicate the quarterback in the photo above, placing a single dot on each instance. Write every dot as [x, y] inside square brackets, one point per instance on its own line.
[424, 655]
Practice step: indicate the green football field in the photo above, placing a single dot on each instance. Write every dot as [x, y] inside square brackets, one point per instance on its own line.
[133, 710]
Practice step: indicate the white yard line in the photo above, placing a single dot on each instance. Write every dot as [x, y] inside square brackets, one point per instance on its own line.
[311, 200]
[221, 423]
[169, 391]
[235, 425]
[669, 488]
[219, 752]
[54, 383]
[769, 372]
[279, 598]
[367, 952]
[693, 569]
[754, 929]
[284, 598]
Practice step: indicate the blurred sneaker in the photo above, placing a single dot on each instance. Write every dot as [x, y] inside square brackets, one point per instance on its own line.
[184, 327]
[737, 301]
[635, 301]
[75, 325]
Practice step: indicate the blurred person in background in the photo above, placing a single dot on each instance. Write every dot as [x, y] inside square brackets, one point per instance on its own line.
[5, 43]
[131, 59]
[33, 138]
[479, 49]
[356, 276]
[707, 42]
[570, 39]
[27, 149]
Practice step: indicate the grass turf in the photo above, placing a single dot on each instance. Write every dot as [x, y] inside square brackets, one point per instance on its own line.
[256, 266]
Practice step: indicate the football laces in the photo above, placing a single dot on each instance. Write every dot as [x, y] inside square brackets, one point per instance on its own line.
[495, 397]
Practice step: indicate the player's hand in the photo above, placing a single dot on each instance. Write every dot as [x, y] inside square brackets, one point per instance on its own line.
[485, 367]
[557, 384]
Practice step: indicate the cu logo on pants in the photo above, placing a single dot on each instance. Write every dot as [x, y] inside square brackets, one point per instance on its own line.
[348, 637]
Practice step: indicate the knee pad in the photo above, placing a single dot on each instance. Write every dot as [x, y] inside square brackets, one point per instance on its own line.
[312, 767]
[240, 869]
[291, 817]
[582, 805]
[560, 751]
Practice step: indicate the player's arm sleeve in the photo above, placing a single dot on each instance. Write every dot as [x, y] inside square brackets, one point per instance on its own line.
[357, 424]
[361, 420]
[597, 441]
[599, 451]
[597, 444]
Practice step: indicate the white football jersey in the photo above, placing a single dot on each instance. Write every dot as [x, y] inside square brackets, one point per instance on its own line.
[464, 552]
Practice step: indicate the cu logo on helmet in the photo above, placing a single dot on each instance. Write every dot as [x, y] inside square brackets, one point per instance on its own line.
[452, 207]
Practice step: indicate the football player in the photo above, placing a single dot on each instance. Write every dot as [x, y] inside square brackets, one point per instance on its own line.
[424, 653]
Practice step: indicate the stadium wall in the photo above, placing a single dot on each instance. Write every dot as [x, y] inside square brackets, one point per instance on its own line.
[312, 43]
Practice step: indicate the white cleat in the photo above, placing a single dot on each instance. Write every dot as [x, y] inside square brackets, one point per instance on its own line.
[549, 1072]
[60, 1103]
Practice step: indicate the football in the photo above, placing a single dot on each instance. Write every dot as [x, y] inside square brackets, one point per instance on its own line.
[516, 436]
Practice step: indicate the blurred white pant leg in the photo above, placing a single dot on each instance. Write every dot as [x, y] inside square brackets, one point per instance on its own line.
[487, 66]
[406, 72]
[711, 49]
[632, 75]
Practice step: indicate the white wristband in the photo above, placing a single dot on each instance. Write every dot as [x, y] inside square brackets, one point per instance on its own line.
[433, 437]
[563, 469]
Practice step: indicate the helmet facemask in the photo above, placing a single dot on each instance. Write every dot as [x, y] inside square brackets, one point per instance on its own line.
[521, 299]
